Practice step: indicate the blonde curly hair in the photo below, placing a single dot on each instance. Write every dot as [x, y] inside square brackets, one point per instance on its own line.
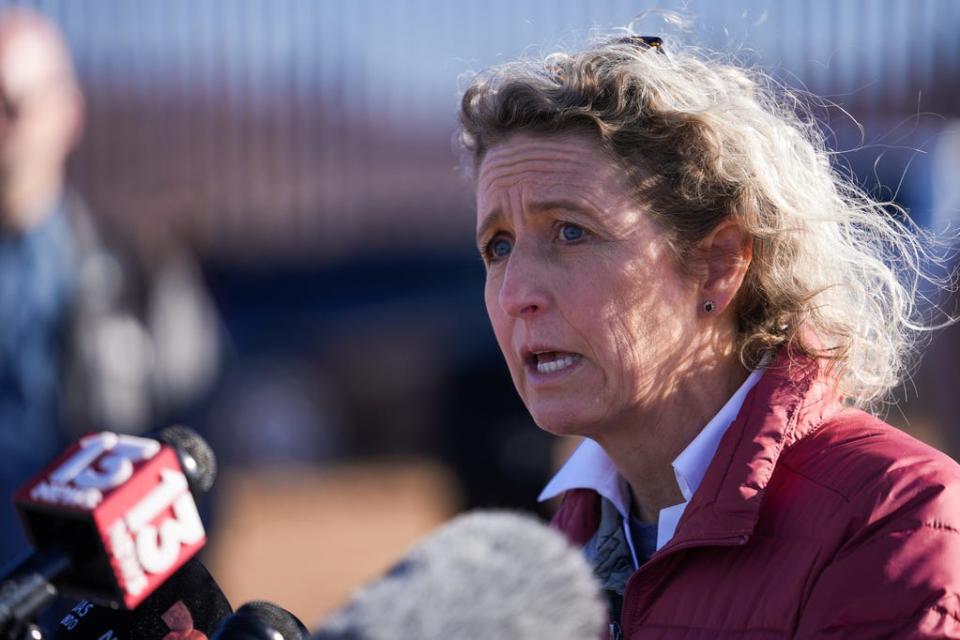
[835, 274]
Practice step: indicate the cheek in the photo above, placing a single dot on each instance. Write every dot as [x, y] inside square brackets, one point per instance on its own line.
[639, 325]
[498, 319]
[630, 349]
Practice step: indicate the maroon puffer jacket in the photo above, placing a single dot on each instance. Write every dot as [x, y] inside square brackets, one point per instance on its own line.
[813, 521]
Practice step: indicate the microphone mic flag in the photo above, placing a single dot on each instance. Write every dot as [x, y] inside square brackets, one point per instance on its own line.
[483, 575]
[188, 606]
[113, 516]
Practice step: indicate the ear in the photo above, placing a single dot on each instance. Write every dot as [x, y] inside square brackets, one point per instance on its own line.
[726, 253]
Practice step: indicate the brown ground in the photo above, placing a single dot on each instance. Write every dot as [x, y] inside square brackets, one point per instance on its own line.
[305, 539]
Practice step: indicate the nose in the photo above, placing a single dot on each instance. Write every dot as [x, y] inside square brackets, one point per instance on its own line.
[523, 290]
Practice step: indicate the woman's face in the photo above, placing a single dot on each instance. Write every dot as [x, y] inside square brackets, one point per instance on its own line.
[588, 306]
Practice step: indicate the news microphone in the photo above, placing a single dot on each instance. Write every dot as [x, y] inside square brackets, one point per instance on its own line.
[110, 519]
[483, 575]
[188, 606]
[261, 620]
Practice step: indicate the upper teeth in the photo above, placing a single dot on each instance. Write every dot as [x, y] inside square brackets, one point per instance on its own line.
[547, 363]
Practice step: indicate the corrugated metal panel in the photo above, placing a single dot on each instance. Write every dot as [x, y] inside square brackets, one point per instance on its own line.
[400, 60]
[259, 124]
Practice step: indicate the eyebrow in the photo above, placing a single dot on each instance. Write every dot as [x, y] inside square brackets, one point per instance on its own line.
[542, 206]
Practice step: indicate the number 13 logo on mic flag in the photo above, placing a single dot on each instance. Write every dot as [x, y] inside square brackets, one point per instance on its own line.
[132, 496]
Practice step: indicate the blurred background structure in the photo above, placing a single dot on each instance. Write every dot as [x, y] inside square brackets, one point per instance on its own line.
[301, 150]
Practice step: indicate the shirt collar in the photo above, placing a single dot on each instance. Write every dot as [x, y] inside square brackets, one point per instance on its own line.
[590, 468]
[691, 465]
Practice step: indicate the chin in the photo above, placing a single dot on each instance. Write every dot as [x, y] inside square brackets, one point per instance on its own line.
[559, 422]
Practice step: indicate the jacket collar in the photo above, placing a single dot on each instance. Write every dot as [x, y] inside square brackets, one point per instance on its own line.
[792, 399]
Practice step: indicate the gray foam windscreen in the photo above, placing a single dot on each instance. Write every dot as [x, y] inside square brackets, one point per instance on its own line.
[484, 575]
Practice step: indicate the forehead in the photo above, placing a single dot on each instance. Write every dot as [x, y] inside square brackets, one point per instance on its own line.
[549, 165]
[29, 57]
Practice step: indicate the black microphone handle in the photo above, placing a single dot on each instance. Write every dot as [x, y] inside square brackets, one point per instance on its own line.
[29, 589]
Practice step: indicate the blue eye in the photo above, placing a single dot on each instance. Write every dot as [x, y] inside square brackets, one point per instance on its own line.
[571, 232]
[500, 248]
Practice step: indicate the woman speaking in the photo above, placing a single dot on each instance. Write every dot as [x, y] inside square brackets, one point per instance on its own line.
[675, 271]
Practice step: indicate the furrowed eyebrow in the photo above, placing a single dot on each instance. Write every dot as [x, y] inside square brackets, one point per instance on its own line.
[496, 216]
[554, 205]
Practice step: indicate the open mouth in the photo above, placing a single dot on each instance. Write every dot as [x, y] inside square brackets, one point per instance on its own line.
[552, 361]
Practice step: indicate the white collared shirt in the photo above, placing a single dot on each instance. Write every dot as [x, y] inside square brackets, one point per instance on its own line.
[590, 468]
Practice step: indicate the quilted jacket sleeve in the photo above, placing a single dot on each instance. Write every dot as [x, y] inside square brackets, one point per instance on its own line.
[898, 573]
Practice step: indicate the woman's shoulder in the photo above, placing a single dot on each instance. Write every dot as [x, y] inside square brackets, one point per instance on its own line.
[875, 465]
[891, 521]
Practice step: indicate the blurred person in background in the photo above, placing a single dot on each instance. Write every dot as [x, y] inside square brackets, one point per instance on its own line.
[676, 272]
[88, 341]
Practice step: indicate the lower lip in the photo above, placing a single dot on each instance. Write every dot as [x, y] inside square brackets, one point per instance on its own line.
[537, 377]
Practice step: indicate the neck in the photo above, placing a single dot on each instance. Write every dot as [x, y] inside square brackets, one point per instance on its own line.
[28, 202]
[643, 448]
